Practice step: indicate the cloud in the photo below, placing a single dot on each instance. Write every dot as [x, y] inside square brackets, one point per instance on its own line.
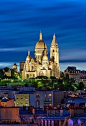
[9, 64]
[73, 54]
[17, 49]
[6, 64]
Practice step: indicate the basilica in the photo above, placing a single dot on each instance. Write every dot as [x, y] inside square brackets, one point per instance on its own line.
[41, 65]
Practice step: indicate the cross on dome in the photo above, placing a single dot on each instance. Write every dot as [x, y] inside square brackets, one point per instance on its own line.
[28, 52]
[54, 36]
[40, 36]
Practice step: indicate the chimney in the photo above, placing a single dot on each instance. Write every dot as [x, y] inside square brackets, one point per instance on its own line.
[33, 111]
[61, 111]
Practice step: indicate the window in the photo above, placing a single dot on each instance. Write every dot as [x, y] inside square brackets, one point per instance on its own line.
[37, 96]
[32, 67]
[50, 104]
[49, 99]
[50, 95]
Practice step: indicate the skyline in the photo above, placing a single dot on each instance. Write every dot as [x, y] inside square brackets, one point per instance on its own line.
[21, 22]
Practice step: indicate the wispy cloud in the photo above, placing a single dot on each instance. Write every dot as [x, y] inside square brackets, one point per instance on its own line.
[6, 64]
[17, 49]
[73, 54]
[9, 64]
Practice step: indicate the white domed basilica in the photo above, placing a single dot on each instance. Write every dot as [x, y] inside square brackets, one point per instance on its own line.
[41, 65]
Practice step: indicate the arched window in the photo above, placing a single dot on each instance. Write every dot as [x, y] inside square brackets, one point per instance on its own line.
[27, 76]
[32, 67]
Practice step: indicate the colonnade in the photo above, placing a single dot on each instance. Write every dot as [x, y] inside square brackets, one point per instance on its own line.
[51, 122]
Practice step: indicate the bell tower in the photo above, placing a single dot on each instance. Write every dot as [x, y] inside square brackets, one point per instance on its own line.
[54, 50]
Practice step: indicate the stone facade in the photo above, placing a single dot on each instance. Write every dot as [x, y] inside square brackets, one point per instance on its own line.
[41, 65]
[78, 75]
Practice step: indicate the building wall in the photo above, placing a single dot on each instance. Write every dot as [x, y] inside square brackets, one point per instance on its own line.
[44, 98]
[78, 75]
[76, 112]
[32, 99]
[58, 96]
[8, 93]
[22, 100]
[22, 65]
[9, 103]
[10, 114]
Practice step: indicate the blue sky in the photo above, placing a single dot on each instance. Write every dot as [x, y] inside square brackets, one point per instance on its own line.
[22, 20]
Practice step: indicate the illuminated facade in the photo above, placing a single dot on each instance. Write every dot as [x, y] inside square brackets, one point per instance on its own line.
[22, 100]
[25, 99]
[15, 67]
[41, 65]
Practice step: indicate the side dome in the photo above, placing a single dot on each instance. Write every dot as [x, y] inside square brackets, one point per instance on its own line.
[28, 57]
[45, 57]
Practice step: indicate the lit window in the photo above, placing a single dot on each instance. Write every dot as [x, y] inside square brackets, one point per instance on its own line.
[49, 99]
[49, 104]
[50, 95]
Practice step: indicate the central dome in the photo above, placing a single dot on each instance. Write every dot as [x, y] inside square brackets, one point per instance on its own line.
[40, 44]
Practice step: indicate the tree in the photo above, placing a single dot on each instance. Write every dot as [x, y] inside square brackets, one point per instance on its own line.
[12, 73]
[1, 74]
[40, 84]
[26, 85]
[81, 86]
[61, 74]
[60, 83]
